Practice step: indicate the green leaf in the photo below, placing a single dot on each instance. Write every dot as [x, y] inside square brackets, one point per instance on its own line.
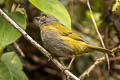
[54, 7]
[8, 34]
[11, 67]
[116, 5]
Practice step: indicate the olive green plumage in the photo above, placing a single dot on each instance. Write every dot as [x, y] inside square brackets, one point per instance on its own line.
[62, 42]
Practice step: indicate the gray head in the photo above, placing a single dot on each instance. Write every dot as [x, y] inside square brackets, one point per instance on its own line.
[44, 19]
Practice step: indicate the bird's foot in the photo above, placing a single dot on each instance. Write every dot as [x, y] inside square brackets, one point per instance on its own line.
[69, 66]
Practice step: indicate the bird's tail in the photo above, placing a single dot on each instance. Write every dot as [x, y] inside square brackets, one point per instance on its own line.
[104, 50]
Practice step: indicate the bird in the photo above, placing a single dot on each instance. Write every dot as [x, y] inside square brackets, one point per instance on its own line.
[60, 41]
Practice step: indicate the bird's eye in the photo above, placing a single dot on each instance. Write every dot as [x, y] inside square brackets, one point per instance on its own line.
[37, 18]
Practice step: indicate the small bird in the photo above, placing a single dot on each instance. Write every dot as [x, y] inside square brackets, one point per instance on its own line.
[61, 41]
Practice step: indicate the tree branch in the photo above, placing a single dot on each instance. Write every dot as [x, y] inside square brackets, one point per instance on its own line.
[87, 72]
[99, 61]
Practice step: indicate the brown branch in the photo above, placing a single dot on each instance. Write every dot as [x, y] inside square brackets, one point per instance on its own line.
[39, 47]
[115, 58]
[87, 72]
[95, 25]
[99, 61]
[19, 49]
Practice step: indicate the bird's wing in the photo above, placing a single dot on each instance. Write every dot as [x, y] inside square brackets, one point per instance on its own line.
[63, 31]
[73, 36]
[68, 33]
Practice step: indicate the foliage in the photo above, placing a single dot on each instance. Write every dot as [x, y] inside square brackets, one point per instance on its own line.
[54, 7]
[10, 64]
[11, 67]
[116, 5]
[8, 33]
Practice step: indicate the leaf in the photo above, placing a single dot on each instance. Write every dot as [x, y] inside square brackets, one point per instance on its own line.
[116, 5]
[54, 7]
[11, 67]
[8, 34]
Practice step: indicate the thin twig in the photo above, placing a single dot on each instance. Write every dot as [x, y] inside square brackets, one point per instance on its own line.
[95, 25]
[98, 61]
[19, 49]
[39, 47]
[115, 58]
[86, 73]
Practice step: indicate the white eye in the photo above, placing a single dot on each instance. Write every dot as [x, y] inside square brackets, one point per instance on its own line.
[37, 18]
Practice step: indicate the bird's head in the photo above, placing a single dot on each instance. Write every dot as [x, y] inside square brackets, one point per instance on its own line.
[44, 19]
